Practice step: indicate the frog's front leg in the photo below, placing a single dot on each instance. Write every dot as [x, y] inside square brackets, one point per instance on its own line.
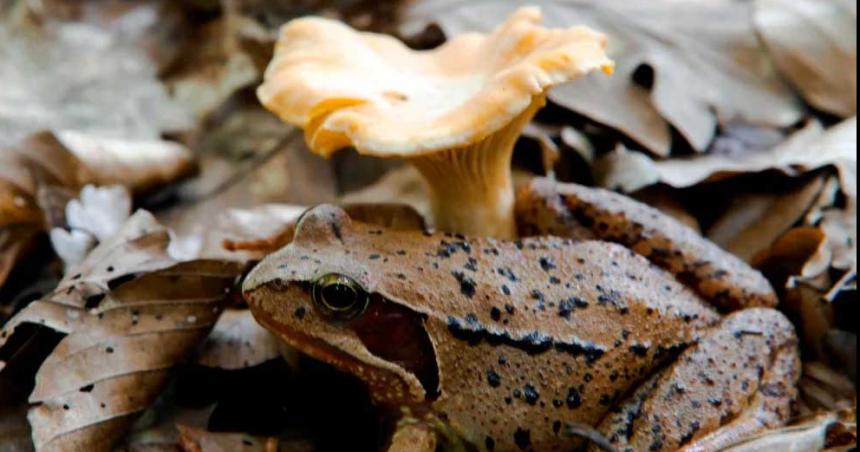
[737, 381]
[413, 436]
[546, 207]
[427, 434]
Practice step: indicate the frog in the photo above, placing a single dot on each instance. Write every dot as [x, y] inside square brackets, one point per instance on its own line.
[650, 338]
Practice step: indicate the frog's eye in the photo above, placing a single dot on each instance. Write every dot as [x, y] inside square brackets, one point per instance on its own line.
[339, 296]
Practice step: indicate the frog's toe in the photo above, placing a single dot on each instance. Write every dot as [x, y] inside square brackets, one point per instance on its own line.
[739, 380]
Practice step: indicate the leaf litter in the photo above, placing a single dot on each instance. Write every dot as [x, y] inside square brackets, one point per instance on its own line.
[704, 120]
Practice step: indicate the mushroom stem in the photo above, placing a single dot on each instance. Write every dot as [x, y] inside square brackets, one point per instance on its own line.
[471, 191]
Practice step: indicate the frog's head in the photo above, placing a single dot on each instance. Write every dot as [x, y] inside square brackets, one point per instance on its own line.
[324, 295]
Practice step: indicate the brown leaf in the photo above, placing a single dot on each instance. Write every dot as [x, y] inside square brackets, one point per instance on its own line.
[811, 434]
[237, 341]
[754, 220]
[210, 68]
[402, 185]
[814, 45]
[14, 431]
[38, 174]
[675, 64]
[842, 346]
[624, 170]
[666, 201]
[108, 85]
[129, 313]
[808, 149]
[249, 234]
[139, 165]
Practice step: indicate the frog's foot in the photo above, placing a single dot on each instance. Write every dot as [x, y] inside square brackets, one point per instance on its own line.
[568, 210]
[739, 380]
[413, 436]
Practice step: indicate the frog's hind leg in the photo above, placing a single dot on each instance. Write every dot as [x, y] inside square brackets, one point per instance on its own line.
[584, 213]
[737, 381]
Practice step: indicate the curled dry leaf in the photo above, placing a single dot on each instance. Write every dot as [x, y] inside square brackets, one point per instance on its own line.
[814, 45]
[139, 165]
[676, 65]
[753, 221]
[129, 313]
[621, 169]
[35, 170]
[818, 432]
[237, 341]
[810, 148]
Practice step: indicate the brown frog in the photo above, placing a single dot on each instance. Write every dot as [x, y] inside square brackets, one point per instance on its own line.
[514, 345]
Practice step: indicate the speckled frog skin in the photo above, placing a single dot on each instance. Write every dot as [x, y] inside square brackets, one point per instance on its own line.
[510, 343]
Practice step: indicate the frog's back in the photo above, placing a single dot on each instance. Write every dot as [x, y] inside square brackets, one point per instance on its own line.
[541, 332]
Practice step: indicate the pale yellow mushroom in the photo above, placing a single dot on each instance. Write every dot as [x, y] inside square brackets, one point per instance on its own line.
[454, 112]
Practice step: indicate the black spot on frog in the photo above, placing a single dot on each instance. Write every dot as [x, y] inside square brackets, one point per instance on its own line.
[467, 285]
[522, 438]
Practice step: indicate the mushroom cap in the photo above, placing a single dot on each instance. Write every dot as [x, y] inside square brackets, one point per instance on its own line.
[370, 91]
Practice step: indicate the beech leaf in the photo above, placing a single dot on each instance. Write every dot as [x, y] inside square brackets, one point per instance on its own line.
[130, 313]
[814, 45]
[237, 341]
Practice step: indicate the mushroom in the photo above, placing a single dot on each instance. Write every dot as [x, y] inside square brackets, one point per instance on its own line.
[453, 112]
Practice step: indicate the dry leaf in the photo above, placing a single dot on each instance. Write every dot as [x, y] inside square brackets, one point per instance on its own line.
[402, 185]
[666, 201]
[577, 141]
[809, 435]
[34, 171]
[129, 313]
[808, 149]
[250, 234]
[100, 211]
[702, 72]
[139, 165]
[237, 341]
[96, 216]
[210, 68]
[842, 346]
[814, 44]
[259, 229]
[622, 170]
[108, 85]
[14, 430]
[754, 220]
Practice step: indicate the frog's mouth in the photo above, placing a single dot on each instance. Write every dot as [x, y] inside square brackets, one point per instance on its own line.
[391, 333]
